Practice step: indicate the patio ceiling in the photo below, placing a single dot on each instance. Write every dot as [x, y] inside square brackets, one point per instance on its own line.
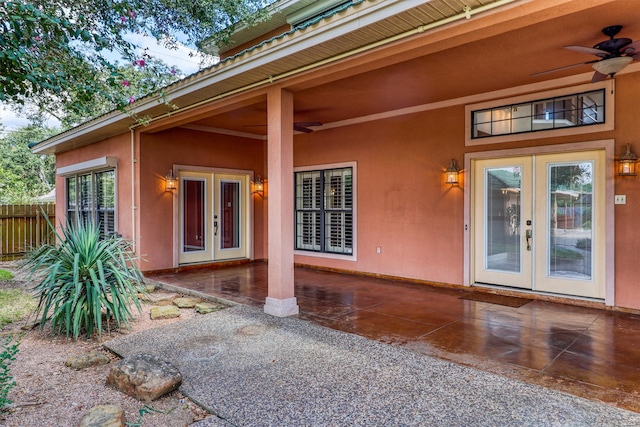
[500, 57]
[495, 49]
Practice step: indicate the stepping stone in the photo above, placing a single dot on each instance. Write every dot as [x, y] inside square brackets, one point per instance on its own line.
[144, 376]
[186, 302]
[83, 361]
[159, 298]
[103, 416]
[165, 312]
[207, 307]
[148, 288]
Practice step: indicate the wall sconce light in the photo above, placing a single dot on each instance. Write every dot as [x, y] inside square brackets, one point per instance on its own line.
[452, 173]
[170, 181]
[627, 163]
[258, 186]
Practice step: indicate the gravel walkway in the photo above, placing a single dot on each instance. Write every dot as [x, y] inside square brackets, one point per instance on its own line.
[251, 369]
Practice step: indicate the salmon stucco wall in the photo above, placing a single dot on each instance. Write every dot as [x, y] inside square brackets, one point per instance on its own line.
[118, 147]
[160, 152]
[404, 206]
[406, 209]
[627, 246]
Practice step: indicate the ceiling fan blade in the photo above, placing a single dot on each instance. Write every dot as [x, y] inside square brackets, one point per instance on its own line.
[588, 50]
[307, 124]
[304, 126]
[598, 77]
[632, 49]
[564, 68]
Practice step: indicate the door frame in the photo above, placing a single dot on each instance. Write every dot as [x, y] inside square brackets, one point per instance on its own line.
[249, 206]
[608, 145]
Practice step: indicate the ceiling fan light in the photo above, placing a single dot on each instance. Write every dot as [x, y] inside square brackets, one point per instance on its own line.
[612, 65]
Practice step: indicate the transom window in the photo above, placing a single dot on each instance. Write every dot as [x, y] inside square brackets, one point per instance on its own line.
[324, 210]
[581, 109]
[91, 198]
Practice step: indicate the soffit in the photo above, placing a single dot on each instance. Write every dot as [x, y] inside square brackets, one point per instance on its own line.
[416, 16]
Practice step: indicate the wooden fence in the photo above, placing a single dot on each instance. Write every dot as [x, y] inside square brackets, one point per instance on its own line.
[23, 227]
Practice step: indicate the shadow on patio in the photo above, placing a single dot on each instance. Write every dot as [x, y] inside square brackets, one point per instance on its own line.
[583, 351]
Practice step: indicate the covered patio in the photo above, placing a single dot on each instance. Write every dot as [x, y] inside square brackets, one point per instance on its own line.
[585, 351]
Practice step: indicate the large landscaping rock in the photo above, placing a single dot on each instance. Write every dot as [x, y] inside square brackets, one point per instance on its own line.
[103, 416]
[144, 376]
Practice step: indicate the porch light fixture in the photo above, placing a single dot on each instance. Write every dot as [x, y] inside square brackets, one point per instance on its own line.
[258, 186]
[452, 173]
[612, 65]
[627, 163]
[170, 181]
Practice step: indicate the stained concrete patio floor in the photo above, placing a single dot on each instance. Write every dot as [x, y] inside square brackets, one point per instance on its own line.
[252, 369]
[582, 351]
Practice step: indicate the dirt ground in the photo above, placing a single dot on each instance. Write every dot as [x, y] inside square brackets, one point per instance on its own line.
[47, 393]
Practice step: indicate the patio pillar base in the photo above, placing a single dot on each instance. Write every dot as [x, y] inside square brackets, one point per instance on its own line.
[281, 307]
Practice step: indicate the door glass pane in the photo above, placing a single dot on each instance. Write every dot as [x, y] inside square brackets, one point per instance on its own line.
[193, 213]
[569, 236]
[230, 215]
[502, 218]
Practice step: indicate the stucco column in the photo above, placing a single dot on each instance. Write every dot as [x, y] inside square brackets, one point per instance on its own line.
[280, 301]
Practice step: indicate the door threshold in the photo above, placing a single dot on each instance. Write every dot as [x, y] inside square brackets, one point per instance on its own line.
[543, 296]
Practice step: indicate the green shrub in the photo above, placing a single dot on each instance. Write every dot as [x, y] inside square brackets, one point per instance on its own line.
[15, 304]
[85, 277]
[8, 355]
[584, 243]
[5, 275]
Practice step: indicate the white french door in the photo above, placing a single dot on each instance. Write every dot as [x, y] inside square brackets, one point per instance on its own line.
[213, 216]
[539, 223]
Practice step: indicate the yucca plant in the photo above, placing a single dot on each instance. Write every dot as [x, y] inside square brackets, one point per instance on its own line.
[85, 277]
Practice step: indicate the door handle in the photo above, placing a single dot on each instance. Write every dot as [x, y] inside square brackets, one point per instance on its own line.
[528, 236]
[215, 228]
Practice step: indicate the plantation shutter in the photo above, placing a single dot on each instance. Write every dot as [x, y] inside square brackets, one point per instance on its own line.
[324, 210]
[308, 204]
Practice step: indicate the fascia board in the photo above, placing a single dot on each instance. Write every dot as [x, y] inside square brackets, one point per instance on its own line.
[300, 43]
[108, 119]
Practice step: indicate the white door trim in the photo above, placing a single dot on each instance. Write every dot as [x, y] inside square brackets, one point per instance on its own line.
[608, 145]
[176, 207]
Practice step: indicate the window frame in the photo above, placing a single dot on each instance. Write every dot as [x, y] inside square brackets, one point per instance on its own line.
[322, 252]
[607, 125]
[91, 169]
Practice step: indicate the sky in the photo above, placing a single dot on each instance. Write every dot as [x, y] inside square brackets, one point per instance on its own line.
[179, 58]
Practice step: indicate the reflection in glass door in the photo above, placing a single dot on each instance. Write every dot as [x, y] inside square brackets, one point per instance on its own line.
[230, 216]
[194, 214]
[570, 250]
[569, 230]
[214, 217]
[503, 213]
[539, 223]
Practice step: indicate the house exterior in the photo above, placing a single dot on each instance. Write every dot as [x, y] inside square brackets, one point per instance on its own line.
[324, 135]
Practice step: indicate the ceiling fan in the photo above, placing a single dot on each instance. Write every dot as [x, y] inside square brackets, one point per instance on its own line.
[301, 126]
[304, 126]
[614, 54]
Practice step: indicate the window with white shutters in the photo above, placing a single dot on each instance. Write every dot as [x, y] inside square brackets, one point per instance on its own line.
[324, 211]
[91, 199]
